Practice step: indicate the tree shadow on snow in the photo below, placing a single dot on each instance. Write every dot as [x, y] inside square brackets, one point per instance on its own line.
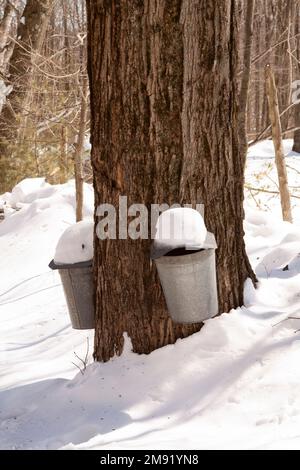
[53, 413]
[50, 414]
[262, 273]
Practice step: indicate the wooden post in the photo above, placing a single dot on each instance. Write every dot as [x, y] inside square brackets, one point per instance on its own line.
[278, 145]
[78, 153]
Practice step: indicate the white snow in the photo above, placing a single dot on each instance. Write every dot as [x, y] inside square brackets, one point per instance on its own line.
[261, 173]
[4, 92]
[76, 243]
[180, 227]
[25, 191]
[233, 385]
[87, 144]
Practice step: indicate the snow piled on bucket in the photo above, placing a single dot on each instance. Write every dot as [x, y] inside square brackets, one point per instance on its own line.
[180, 227]
[76, 243]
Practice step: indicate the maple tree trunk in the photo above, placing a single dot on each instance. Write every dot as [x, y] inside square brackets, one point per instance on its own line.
[164, 130]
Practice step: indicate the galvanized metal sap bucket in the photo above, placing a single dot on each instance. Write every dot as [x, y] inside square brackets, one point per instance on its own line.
[189, 283]
[77, 281]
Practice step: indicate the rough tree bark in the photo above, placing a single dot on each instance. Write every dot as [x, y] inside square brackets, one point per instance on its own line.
[164, 130]
[272, 95]
[246, 74]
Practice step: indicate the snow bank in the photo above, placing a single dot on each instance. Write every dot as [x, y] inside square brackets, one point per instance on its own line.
[76, 243]
[261, 173]
[265, 149]
[25, 188]
[29, 236]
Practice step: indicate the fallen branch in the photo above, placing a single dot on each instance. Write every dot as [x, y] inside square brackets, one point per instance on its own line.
[262, 135]
[262, 190]
[288, 318]
[294, 169]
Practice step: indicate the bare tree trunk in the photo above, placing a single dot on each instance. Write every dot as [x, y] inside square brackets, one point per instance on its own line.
[296, 146]
[30, 37]
[164, 130]
[269, 33]
[282, 58]
[245, 82]
[257, 75]
[79, 151]
[66, 41]
[278, 145]
[31, 34]
[5, 27]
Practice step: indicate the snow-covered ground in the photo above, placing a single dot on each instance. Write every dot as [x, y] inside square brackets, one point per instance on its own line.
[261, 173]
[235, 384]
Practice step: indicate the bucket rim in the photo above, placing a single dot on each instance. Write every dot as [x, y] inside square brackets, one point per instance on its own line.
[57, 266]
[187, 260]
[159, 251]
